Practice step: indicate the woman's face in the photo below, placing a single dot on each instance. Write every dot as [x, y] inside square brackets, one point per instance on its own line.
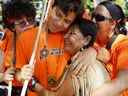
[73, 40]
[104, 23]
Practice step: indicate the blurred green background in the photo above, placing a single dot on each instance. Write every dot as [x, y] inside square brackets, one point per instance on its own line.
[123, 3]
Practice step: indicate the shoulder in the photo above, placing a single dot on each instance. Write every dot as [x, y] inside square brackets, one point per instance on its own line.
[27, 37]
[29, 33]
[120, 41]
[90, 52]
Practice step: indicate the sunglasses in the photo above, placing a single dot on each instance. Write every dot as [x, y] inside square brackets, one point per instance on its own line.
[98, 17]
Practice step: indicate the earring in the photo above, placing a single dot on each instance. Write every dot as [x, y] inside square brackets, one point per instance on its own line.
[81, 49]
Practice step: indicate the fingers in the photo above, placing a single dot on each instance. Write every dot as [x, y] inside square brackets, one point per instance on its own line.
[8, 77]
[27, 72]
[28, 69]
[9, 74]
[103, 55]
[10, 71]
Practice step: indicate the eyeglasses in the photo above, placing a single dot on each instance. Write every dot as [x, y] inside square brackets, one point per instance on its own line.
[23, 22]
[99, 17]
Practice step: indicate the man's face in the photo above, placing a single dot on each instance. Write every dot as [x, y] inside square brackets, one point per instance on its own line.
[23, 24]
[58, 21]
[103, 20]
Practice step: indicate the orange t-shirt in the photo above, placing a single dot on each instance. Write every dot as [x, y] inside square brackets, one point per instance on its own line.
[55, 62]
[119, 57]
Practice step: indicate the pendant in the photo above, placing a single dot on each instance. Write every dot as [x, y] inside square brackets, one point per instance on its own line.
[52, 81]
[44, 53]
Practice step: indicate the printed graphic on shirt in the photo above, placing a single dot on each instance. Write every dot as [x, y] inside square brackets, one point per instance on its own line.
[53, 51]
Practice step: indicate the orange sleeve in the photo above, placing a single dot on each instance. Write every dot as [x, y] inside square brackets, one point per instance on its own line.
[122, 60]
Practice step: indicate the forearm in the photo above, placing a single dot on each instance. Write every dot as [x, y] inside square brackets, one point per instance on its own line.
[108, 89]
[122, 80]
[1, 77]
[114, 87]
[34, 84]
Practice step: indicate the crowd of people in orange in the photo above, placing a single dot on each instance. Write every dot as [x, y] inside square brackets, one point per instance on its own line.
[77, 53]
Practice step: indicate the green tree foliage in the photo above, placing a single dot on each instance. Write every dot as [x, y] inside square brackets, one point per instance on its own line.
[124, 5]
[90, 5]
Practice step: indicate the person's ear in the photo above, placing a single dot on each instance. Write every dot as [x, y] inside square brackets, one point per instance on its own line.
[113, 23]
[87, 40]
[112, 27]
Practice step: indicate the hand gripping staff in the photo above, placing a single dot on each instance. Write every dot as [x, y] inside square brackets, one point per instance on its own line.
[13, 51]
[47, 4]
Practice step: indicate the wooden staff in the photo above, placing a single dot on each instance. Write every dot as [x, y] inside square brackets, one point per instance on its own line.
[46, 8]
[13, 61]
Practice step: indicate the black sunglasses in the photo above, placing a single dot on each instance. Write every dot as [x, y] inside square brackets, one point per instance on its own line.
[99, 17]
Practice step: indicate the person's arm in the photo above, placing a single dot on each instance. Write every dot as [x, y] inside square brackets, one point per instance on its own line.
[120, 83]
[1, 77]
[114, 87]
[7, 75]
[26, 73]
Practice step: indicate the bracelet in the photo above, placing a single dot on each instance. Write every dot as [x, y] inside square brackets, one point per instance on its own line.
[33, 83]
